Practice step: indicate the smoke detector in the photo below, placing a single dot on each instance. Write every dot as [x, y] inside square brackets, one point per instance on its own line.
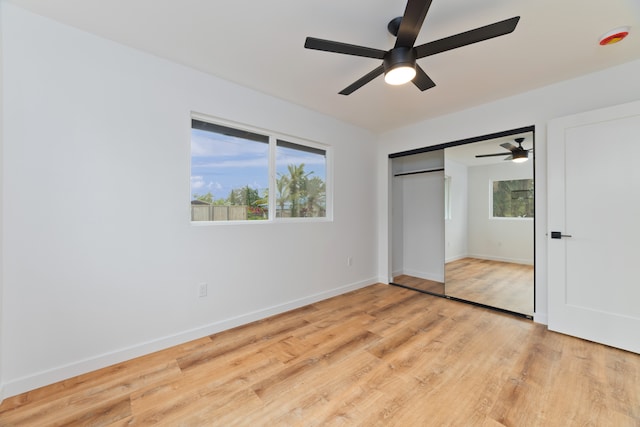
[614, 36]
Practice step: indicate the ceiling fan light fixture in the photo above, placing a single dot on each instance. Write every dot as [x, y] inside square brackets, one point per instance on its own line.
[399, 66]
[400, 75]
[520, 156]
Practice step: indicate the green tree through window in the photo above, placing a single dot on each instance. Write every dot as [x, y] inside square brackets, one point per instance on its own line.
[513, 198]
[300, 192]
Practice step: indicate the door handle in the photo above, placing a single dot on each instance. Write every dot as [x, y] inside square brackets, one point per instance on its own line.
[559, 235]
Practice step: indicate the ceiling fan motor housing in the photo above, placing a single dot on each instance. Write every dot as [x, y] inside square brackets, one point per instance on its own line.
[399, 56]
[394, 26]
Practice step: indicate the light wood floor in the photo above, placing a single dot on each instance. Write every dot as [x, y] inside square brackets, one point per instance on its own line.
[498, 284]
[420, 284]
[381, 355]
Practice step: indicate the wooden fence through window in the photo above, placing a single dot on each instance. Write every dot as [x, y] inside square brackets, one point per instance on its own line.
[218, 213]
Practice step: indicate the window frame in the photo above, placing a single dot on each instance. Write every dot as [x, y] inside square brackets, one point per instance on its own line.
[273, 139]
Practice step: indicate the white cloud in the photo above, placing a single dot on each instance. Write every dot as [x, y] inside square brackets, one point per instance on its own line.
[207, 144]
[288, 159]
[197, 182]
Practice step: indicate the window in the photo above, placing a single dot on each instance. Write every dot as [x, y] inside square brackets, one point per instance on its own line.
[232, 180]
[301, 181]
[513, 198]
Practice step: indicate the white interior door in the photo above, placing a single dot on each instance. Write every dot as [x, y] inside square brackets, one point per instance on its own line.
[594, 197]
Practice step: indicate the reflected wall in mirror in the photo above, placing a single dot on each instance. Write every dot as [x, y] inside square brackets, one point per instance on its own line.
[489, 248]
[462, 220]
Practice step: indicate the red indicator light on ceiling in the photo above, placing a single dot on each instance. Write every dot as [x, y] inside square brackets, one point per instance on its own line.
[614, 36]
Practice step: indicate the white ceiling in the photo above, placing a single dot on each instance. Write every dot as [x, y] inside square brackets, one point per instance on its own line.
[259, 44]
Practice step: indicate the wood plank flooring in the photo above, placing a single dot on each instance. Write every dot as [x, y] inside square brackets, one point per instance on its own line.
[420, 284]
[498, 284]
[379, 356]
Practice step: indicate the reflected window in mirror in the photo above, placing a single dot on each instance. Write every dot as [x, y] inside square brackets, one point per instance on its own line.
[512, 199]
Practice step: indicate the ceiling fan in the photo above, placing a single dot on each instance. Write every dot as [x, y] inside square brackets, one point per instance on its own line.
[518, 154]
[399, 63]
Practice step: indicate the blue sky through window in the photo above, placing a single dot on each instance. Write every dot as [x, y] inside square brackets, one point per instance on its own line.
[221, 163]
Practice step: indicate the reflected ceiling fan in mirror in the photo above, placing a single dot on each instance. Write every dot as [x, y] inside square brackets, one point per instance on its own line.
[518, 154]
[399, 63]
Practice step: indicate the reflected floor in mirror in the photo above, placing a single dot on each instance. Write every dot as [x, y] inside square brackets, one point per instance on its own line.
[504, 285]
[420, 284]
[498, 284]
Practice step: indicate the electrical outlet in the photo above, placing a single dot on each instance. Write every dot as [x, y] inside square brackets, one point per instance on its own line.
[202, 290]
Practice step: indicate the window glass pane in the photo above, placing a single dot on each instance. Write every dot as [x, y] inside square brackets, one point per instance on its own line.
[301, 173]
[513, 198]
[229, 174]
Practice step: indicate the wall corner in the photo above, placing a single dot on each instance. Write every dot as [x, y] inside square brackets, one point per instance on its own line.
[2, 73]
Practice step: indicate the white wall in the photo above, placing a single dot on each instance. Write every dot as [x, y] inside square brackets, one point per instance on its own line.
[456, 228]
[498, 239]
[1, 209]
[421, 233]
[417, 215]
[609, 87]
[397, 227]
[93, 132]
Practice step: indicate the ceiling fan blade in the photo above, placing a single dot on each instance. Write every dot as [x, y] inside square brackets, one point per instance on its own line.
[362, 81]
[411, 23]
[509, 146]
[491, 155]
[468, 37]
[345, 48]
[422, 80]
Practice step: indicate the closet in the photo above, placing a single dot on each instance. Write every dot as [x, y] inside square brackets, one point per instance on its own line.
[462, 220]
[418, 221]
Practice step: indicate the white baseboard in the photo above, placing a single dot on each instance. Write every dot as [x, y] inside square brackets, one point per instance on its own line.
[425, 275]
[455, 258]
[40, 379]
[502, 259]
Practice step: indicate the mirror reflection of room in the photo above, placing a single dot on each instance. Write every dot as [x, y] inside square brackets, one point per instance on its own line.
[462, 222]
[489, 249]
